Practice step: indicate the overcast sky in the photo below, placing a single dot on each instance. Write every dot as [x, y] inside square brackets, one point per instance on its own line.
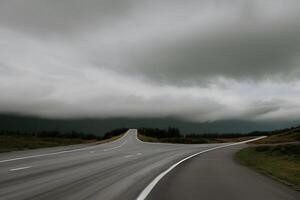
[198, 60]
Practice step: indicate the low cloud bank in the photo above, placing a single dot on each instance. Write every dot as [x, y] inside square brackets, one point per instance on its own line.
[194, 60]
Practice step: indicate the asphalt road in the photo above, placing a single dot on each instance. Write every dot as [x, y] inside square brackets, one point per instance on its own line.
[215, 175]
[118, 170]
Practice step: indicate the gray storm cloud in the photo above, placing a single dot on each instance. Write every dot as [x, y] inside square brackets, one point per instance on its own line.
[195, 60]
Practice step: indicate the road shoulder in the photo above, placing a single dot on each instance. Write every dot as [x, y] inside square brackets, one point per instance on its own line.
[216, 175]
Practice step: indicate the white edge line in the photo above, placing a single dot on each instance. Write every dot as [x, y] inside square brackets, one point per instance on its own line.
[143, 195]
[59, 152]
[20, 168]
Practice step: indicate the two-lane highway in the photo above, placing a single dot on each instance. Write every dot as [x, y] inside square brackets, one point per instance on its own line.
[116, 170]
[124, 169]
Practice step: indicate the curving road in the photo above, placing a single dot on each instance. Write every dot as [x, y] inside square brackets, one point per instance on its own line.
[122, 169]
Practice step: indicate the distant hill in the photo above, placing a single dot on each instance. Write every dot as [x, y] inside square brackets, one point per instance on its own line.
[101, 126]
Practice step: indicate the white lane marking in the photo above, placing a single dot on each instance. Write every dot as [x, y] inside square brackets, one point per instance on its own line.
[116, 146]
[46, 154]
[137, 154]
[20, 168]
[143, 195]
[56, 153]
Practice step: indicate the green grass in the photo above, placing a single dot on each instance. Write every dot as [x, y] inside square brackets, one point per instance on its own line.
[285, 137]
[191, 140]
[14, 143]
[22, 140]
[147, 139]
[279, 161]
[173, 140]
[109, 139]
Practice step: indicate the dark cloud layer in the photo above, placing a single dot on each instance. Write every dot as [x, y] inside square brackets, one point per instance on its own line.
[195, 60]
[60, 16]
[258, 55]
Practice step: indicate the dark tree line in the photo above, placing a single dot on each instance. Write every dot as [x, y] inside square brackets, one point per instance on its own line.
[60, 134]
[226, 135]
[160, 133]
[171, 132]
[54, 134]
[175, 133]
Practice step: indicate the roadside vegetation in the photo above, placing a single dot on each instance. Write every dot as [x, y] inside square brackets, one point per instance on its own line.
[282, 136]
[277, 156]
[18, 140]
[173, 135]
[278, 161]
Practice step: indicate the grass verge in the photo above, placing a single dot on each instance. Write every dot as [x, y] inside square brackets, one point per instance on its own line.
[113, 138]
[191, 140]
[284, 137]
[281, 162]
[16, 143]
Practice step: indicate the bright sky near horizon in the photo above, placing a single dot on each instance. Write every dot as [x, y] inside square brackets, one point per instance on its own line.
[198, 60]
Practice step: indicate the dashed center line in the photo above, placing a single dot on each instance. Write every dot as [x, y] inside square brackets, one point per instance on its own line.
[137, 154]
[20, 168]
[116, 146]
